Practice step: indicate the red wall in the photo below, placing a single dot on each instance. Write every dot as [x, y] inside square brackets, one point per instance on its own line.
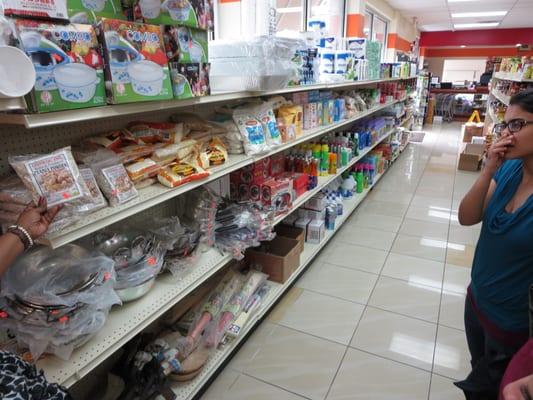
[484, 37]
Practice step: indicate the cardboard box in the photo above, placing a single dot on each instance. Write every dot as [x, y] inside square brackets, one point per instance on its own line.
[191, 13]
[470, 130]
[136, 63]
[185, 45]
[278, 258]
[292, 232]
[316, 231]
[316, 215]
[471, 157]
[317, 202]
[190, 80]
[68, 64]
[302, 224]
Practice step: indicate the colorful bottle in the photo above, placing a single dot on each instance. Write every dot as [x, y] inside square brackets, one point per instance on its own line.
[359, 178]
[332, 164]
[324, 167]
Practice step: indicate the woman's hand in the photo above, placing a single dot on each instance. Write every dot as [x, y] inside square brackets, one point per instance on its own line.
[36, 219]
[496, 153]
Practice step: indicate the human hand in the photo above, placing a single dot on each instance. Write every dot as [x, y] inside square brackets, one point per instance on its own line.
[496, 153]
[37, 219]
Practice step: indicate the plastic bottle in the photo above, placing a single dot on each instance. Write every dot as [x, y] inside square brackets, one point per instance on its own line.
[332, 164]
[355, 141]
[359, 178]
[371, 174]
[324, 167]
[340, 207]
[317, 149]
[366, 177]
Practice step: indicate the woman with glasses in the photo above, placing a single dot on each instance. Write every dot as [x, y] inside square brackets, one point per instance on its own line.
[496, 308]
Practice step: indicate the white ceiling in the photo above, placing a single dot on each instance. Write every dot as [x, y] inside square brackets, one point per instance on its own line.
[435, 15]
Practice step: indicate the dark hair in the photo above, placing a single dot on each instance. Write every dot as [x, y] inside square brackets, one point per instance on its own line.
[524, 100]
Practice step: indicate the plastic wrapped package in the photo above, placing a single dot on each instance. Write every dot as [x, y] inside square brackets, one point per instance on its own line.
[112, 177]
[194, 124]
[138, 258]
[252, 131]
[157, 132]
[233, 138]
[262, 63]
[55, 300]
[201, 205]
[217, 328]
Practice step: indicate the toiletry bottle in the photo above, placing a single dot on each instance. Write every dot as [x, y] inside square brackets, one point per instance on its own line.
[332, 164]
[325, 160]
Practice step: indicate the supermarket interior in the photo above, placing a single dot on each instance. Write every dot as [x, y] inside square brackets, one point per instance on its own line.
[266, 199]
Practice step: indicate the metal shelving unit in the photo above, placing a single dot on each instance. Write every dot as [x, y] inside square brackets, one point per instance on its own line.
[156, 194]
[507, 76]
[125, 322]
[111, 111]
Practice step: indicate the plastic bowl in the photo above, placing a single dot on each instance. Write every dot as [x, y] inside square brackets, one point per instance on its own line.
[18, 70]
[146, 77]
[93, 5]
[76, 82]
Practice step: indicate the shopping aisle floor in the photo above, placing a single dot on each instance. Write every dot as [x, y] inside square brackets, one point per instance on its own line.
[379, 313]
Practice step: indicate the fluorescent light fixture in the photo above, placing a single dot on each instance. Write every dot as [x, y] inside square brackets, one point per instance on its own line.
[288, 10]
[477, 25]
[460, 1]
[479, 14]
[463, 46]
[518, 45]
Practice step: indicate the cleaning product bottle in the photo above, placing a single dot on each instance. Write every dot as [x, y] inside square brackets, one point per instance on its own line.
[332, 164]
[359, 178]
[317, 150]
[366, 177]
[371, 174]
[340, 208]
[325, 160]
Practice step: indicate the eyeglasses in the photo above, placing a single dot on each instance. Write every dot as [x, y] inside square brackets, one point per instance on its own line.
[514, 125]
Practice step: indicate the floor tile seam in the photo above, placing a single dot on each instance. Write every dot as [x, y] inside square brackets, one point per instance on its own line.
[444, 271]
[331, 341]
[384, 274]
[276, 386]
[333, 297]
[340, 239]
[357, 269]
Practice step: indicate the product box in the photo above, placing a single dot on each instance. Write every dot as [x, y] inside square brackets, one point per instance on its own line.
[291, 232]
[316, 231]
[290, 219]
[68, 65]
[190, 80]
[277, 164]
[470, 130]
[191, 13]
[136, 63]
[314, 96]
[185, 45]
[310, 116]
[89, 11]
[277, 193]
[315, 215]
[358, 47]
[319, 113]
[299, 182]
[317, 202]
[278, 258]
[35, 8]
[302, 224]
[471, 157]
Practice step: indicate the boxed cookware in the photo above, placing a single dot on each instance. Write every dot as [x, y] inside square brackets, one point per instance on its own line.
[68, 65]
[88, 11]
[185, 45]
[136, 63]
[191, 13]
[35, 8]
[190, 80]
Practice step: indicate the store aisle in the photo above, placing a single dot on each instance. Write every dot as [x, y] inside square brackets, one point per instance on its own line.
[379, 313]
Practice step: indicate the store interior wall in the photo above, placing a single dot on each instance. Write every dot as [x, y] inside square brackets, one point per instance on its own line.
[468, 69]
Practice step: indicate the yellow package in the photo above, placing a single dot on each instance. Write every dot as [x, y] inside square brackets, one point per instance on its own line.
[296, 114]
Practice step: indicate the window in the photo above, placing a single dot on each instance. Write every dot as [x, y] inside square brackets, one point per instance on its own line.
[376, 29]
[331, 12]
[290, 15]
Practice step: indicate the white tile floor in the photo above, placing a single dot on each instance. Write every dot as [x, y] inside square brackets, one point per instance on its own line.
[379, 314]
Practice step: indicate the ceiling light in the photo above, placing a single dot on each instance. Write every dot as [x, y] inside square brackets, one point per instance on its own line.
[460, 1]
[479, 14]
[477, 25]
[519, 45]
[463, 46]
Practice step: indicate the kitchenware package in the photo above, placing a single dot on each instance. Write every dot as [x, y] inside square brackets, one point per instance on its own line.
[138, 258]
[185, 45]
[89, 11]
[136, 63]
[190, 13]
[56, 300]
[68, 65]
[190, 80]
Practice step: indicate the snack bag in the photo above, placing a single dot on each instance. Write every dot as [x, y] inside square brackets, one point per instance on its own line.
[95, 191]
[180, 173]
[252, 131]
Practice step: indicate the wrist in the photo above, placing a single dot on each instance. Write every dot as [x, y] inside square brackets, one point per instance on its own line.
[22, 234]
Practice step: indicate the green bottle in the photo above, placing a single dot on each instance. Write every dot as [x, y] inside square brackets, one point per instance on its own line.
[360, 179]
[324, 167]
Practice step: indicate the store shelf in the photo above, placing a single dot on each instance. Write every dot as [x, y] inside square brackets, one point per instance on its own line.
[156, 194]
[513, 77]
[127, 321]
[187, 391]
[324, 181]
[111, 111]
[501, 97]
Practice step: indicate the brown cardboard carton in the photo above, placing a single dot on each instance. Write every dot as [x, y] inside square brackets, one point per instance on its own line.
[292, 232]
[471, 156]
[278, 258]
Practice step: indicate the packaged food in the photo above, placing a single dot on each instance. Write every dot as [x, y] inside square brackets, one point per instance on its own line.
[178, 174]
[96, 194]
[154, 132]
[13, 191]
[194, 123]
[136, 63]
[216, 152]
[252, 131]
[142, 169]
[54, 176]
[270, 126]
[292, 115]
[68, 64]
[112, 178]
[122, 142]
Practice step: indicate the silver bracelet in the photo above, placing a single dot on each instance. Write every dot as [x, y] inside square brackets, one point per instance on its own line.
[25, 233]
